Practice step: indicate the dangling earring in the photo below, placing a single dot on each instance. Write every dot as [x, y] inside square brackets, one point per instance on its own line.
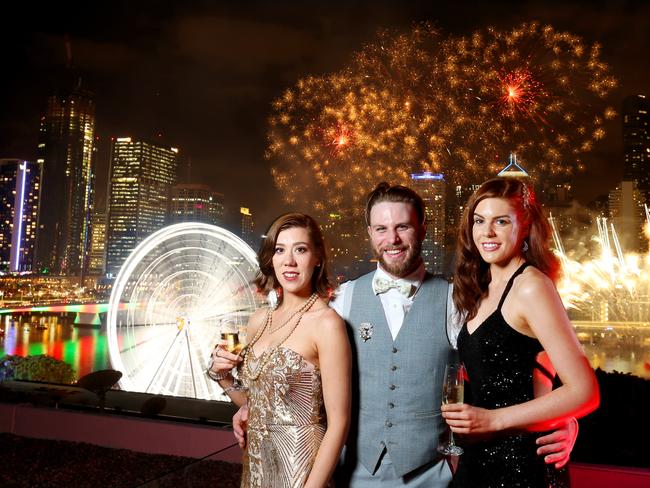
[274, 298]
[524, 247]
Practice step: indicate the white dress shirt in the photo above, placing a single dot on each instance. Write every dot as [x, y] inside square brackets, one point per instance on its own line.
[394, 316]
[395, 305]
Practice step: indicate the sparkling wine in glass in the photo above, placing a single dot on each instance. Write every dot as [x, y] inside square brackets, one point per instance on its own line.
[453, 391]
[234, 345]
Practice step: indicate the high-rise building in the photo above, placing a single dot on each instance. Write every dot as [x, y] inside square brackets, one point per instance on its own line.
[20, 186]
[191, 202]
[347, 239]
[65, 148]
[432, 188]
[141, 176]
[97, 253]
[636, 143]
[457, 198]
[559, 204]
[247, 227]
[627, 214]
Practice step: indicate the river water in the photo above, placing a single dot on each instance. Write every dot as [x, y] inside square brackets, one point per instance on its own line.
[86, 348]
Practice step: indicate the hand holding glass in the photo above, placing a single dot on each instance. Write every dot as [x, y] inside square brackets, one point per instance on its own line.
[234, 345]
[230, 342]
[453, 391]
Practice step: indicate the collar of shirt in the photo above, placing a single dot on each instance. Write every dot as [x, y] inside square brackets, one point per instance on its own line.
[414, 279]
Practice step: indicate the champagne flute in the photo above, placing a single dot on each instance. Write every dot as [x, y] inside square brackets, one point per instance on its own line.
[234, 345]
[453, 391]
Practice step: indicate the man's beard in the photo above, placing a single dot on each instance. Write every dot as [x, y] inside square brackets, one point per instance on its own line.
[407, 266]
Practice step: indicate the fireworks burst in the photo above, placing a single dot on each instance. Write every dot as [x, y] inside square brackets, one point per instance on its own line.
[520, 93]
[456, 105]
[614, 287]
[338, 136]
[532, 90]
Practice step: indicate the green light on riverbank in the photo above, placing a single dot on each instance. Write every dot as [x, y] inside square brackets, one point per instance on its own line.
[36, 348]
[70, 353]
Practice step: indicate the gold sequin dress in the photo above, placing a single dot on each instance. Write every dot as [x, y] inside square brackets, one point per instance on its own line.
[286, 419]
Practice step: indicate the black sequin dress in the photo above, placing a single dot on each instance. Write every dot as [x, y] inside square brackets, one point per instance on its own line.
[500, 363]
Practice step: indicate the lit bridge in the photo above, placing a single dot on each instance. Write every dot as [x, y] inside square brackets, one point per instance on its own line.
[86, 313]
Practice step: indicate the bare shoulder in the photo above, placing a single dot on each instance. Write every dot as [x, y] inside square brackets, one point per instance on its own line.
[325, 315]
[257, 319]
[532, 282]
[328, 333]
[259, 315]
[329, 318]
[326, 323]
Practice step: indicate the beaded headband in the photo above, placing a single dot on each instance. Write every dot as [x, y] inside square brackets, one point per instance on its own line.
[525, 196]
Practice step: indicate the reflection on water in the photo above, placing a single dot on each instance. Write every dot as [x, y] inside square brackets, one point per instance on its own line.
[624, 359]
[83, 348]
[86, 348]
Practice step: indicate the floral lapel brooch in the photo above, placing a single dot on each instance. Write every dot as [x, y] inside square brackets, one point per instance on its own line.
[365, 331]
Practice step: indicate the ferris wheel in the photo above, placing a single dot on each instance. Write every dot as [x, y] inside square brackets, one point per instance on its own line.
[169, 301]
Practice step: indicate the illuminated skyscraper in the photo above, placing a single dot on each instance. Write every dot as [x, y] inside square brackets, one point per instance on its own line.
[141, 176]
[636, 143]
[65, 149]
[97, 252]
[192, 202]
[627, 214]
[347, 240]
[626, 201]
[432, 187]
[247, 227]
[20, 186]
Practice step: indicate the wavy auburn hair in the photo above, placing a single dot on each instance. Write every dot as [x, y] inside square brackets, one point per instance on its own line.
[266, 279]
[472, 274]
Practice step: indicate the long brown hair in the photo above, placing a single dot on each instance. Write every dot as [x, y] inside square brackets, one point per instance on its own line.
[472, 274]
[266, 279]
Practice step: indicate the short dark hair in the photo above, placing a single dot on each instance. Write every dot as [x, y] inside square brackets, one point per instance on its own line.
[384, 192]
[266, 279]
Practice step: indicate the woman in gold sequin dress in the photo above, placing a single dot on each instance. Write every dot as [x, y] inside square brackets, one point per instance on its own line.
[296, 366]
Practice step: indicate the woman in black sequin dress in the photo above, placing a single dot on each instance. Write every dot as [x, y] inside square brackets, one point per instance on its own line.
[515, 327]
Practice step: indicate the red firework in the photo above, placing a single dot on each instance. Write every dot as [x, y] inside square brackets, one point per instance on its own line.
[339, 138]
[520, 93]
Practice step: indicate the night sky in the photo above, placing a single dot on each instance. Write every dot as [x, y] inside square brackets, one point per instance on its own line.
[204, 75]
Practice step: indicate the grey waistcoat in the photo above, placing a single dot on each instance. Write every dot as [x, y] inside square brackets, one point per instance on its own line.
[397, 396]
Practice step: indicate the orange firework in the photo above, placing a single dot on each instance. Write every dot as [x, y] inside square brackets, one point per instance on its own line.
[532, 90]
[333, 138]
[454, 105]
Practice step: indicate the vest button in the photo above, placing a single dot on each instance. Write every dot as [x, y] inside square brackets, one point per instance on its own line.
[392, 387]
[389, 423]
[394, 350]
[391, 405]
[393, 367]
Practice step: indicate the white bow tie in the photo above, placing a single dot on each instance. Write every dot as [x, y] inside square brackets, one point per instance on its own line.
[382, 285]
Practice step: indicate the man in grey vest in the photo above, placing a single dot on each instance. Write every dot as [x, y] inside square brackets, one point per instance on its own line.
[397, 320]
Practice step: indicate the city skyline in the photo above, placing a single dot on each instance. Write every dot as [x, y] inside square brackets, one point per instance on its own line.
[170, 71]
